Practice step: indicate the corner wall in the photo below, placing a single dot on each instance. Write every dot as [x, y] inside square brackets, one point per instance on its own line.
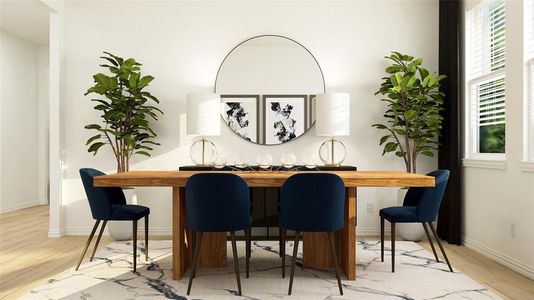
[18, 123]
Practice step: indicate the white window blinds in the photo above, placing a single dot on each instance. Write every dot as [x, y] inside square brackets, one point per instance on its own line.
[529, 55]
[487, 38]
[486, 61]
[529, 28]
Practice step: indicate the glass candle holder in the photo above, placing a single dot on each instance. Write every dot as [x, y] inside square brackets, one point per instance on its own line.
[242, 161]
[288, 160]
[265, 161]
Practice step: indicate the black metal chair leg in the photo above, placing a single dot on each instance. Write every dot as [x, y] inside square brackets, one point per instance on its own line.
[295, 250]
[248, 250]
[198, 240]
[98, 239]
[134, 244]
[334, 257]
[440, 245]
[283, 252]
[236, 262]
[87, 243]
[430, 241]
[146, 237]
[381, 239]
[280, 241]
[393, 247]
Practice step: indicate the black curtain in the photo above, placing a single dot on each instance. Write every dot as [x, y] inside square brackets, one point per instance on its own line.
[449, 221]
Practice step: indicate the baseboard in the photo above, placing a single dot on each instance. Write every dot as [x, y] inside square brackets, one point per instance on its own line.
[168, 231]
[55, 234]
[6, 209]
[503, 259]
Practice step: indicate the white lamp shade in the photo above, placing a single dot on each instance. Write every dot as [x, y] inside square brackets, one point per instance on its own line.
[203, 114]
[332, 114]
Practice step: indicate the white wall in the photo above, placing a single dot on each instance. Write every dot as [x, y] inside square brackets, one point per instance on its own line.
[19, 121]
[182, 45]
[497, 199]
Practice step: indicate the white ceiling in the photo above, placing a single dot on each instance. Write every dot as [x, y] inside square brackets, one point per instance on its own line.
[27, 19]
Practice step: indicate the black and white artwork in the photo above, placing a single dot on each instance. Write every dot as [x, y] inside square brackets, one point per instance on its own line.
[285, 117]
[240, 113]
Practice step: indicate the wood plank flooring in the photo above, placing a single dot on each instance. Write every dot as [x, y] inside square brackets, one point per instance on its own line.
[28, 257]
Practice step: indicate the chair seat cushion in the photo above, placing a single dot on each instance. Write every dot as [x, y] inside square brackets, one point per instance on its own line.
[128, 212]
[400, 214]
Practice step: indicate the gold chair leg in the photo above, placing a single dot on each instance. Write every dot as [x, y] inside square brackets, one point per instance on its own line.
[87, 243]
[146, 237]
[98, 239]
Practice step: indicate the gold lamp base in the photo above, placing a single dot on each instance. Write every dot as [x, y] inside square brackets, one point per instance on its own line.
[327, 153]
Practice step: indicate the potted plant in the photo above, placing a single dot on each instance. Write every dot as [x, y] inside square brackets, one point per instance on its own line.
[412, 119]
[127, 109]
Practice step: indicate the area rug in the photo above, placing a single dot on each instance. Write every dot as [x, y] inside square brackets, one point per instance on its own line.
[417, 276]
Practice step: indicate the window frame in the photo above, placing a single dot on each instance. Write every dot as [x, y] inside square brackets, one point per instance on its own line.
[471, 129]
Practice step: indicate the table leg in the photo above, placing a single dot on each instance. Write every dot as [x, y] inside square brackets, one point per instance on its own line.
[182, 243]
[213, 250]
[347, 237]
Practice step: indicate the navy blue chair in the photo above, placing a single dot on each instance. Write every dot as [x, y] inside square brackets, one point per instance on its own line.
[217, 202]
[109, 204]
[421, 205]
[312, 202]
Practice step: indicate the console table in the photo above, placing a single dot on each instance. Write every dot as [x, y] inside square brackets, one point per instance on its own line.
[213, 251]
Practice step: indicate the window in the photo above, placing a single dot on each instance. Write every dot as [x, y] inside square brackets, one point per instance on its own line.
[529, 80]
[486, 80]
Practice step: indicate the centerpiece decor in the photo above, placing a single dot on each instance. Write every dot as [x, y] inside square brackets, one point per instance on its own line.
[412, 119]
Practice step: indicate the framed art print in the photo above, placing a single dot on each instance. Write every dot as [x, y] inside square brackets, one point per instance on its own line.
[285, 117]
[240, 113]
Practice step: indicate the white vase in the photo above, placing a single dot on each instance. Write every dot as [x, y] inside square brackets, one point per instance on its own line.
[409, 231]
[123, 230]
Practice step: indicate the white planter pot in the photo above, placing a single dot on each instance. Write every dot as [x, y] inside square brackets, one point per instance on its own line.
[123, 230]
[409, 231]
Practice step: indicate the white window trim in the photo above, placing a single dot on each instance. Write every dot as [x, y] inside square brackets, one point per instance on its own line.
[484, 164]
[471, 156]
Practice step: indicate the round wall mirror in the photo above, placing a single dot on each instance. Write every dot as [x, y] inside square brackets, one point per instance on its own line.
[267, 85]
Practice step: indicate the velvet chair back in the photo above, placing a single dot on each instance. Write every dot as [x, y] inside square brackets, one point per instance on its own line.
[428, 199]
[312, 202]
[100, 199]
[217, 202]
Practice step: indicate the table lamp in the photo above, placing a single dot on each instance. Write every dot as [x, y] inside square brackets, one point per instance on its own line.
[203, 119]
[332, 119]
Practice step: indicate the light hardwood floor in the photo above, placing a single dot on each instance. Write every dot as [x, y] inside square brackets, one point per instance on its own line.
[28, 257]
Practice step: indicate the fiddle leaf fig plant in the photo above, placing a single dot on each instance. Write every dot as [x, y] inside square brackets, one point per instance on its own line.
[414, 103]
[126, 108]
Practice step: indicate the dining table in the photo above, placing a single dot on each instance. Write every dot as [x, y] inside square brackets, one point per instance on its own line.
[213, 252]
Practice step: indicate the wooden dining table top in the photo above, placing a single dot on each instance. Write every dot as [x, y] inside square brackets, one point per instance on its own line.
[264, 178]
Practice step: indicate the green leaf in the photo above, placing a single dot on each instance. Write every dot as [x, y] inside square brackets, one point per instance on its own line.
[145, 81]
[391, 146]
[94, 147]
[93, 126]
[143, 153]
[93, 138]
[384, 139]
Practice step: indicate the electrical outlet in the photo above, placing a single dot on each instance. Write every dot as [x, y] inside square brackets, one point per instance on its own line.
[370, 207]
[512, 230]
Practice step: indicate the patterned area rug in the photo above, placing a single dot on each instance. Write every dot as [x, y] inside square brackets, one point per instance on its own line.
[109, 276]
